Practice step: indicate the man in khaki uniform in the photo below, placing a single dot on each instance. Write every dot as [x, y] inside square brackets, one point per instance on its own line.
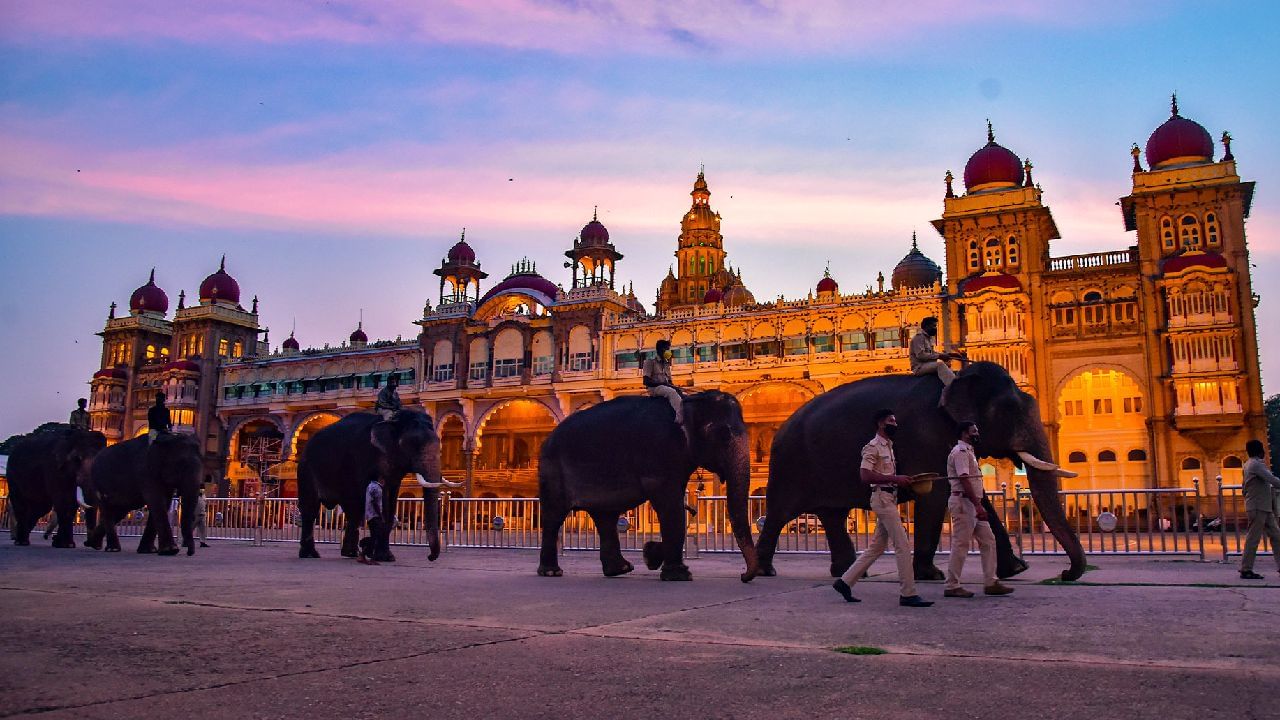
[925, 360]
[879, 470]
[968, 518]
[1260, 502]
[657, 377]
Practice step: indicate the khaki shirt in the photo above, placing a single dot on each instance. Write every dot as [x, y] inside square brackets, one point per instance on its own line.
[1260, 486]
[962, 468]
[388, 399]
[80, 419]
[922, 352]
[657, 371]
[877, 456]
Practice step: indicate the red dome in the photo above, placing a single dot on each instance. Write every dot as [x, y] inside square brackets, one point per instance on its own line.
[220, 286]
[111, 373]
[524, 277]
[994, 166]
[358, 335]
[713, 296]
[1179, 263]
[149, 298]
[290, 343]
[594, 232]
[1179, 139]
[462, 254]
[828, 285]
[995, 280]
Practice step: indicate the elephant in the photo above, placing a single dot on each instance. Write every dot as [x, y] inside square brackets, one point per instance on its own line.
[611, 457]
[49, 470]
[340, 460]
[815, 458]
[141, 472]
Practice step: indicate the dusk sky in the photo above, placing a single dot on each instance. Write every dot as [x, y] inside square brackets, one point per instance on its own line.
[334, 150]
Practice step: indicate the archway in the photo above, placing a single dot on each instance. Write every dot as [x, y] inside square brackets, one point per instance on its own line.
[307, 429]
[764, 409]
[282, 478]
[508, 442]
[1102, 431]
[453, 457]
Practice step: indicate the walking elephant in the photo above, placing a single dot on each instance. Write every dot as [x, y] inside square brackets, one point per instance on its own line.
[611, 457]
[48, 470]
[340, 460]
[815, 460]
[141, 472]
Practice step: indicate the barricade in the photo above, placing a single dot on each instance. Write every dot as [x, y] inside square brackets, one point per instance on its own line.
[1232, 524]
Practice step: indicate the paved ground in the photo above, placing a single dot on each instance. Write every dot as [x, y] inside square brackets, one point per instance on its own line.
[239, 631]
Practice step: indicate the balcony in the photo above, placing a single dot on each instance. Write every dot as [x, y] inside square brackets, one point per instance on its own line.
[1093, 261]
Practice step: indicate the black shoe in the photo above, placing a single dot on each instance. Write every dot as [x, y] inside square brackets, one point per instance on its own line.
[1249, 575]
[204, 544]
[914, 601]
[845, 591]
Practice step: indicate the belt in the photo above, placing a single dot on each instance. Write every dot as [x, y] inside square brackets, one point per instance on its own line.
[885, 488]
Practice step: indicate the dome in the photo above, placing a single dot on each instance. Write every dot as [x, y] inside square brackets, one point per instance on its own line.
[737, 295]
[828, 284]
[915, 270]
[290, 343]
[1179, 140]
[713, 296]
[634, 304]
[461, 254]
[149, 298]
[1182, 262]
[358, 336]
[524, 277]
[220, 286]
[992, 167]
[594, 232]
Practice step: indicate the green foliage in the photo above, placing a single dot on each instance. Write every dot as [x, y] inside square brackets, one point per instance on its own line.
[860, 650]
[1272, 406]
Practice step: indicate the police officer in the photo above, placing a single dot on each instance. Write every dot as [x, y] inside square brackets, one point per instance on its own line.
[158, 418]
[657, 377]
[388, 402]
[80, 416]
[968, 518]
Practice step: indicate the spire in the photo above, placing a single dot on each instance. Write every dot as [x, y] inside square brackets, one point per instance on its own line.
[948, 178]
[464, 235]
[826, 273]
[182, 299]
[1174, 104]
[1226, 143]
[914, 247]
[595, 213]
[111, 313]
[222, 266]
[152, 280]
[1026, 168]
[1135, 151]
[255, 304]
[991, 135]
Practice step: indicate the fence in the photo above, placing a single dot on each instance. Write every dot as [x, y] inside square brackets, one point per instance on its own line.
[1168, 521]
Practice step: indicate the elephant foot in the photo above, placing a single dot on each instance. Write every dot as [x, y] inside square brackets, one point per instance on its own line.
[307, 552]
[616, 570]
[191, 550]
[347, 552]
[653, 555]
[549, 571]
[146, 550]
[68, 543]
[1016, 567]
[929, 573]
[768, 571]
[435, 553]
[677, 573]
[96, 545]
[111, 548]
[21, 543]
[168, 552]
[748, 576]
[385, 556]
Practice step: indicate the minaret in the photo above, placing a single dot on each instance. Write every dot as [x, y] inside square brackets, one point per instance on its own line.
[699, 253]
[593, 254]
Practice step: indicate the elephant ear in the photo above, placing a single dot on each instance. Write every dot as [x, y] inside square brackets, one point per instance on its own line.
[965, 397]
[383, 437]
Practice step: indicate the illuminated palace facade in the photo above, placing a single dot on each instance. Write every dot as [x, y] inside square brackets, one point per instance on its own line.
[1144, 359]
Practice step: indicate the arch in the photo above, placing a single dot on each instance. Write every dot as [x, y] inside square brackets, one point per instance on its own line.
[1011, 250]
[1168, 240]
[442, 353]
[1211, 235]
[478, 350]
[1189, 231]
[1232, 461]
[992, 253]
[764, 331]
[733, 333]
[1077, 456]
[1098, 408]
[306, 428]
[706, 336]
[509, 344]
[1190, 463]
[853, 321]
[885, 320]
[823, 326]
[651, 339]
[765, 406]
[681, 338]
[239, 423]
[508, 439]
[1107, 456]
[1062, 297]
[915, 316]
[794, 328]
[1093, 295]
[452, 429]
[1137, 455]
[627, 342]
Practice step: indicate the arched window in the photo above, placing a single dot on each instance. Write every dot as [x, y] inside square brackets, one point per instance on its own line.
[1107, 456]
[1094, 311]
[1191, 463]
[1137, 455]
[1211, 229]
[151, 352]
[1077, 457]
[1189, 229]
[975, 258]
[1231, 461]
[993, 257]
[1167, 240]
[1011, 251]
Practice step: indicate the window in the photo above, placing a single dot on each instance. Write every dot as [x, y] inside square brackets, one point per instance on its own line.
[993, 256]
[1211, 230]
[735, 351]
[1133, 404]
[1191, 463]
[975, 259]
[1167, 240]
[543, 365]
[1125, 312]
[706, 353]
[1190, 231]
[1077, 457]
[888, 338]
[580, 361]
[1231, 461]
[1137, 455]
[626, 360]
[506, 367]
[1011, 251]
[1064, 316]
[237, 350]
[442, 373]
[1102, 406]
[795, 346]
[824, 343]
[223, 346]
[766, 348]
[1073, 407]
[478, 371]
[151, 352]
[682, 355]
[856, 340]
[1107, 456]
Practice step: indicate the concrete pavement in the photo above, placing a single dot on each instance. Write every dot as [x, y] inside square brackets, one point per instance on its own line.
[240, 631]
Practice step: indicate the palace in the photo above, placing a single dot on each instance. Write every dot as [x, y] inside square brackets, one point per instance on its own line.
[1144, 359]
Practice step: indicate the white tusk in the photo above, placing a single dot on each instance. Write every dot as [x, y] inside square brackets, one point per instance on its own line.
[1036, 462]
[443, 482]
[1060, 472]
[80, 498]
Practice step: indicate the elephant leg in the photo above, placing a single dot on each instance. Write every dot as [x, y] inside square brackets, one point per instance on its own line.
[24, 519]
[775, 519]
[97, 528]
[834, 522]
[158, 510]
[1007, 563]
[671, 522]
[309, 509]
[548, 560]
[147, 544]
[351, 533]
[66, 523]
[107, 519]
[930, 510]
[611, 560]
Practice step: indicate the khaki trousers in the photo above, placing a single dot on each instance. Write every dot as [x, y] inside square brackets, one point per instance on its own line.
[888, 528]
[939, 368]
[965, 528]
[1260, 521]
[673, 396]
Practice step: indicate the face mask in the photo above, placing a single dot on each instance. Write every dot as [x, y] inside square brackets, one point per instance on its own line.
[890, 430]
[974, 440]
[666, 355]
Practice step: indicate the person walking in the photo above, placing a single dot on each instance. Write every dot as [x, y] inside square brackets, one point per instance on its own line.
[879, 470]
[158, 420]
[388, 402]
[968, 518]
[657, 378]
[1262, 504]
[373, 518]
[198, 528]
[80, 416]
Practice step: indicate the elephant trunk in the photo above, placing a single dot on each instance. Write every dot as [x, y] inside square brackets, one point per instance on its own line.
[1044, 490]
[190, 499]
[738, 483]
[431, 504]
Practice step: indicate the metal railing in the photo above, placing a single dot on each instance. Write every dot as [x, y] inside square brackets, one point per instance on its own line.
[1156, 521]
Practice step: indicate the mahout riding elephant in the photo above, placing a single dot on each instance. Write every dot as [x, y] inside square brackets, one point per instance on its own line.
[815, 458]
[611, 457]
[340, 460]
[49, 470]
[147, 473]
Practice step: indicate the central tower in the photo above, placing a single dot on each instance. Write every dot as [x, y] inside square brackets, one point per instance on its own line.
[699, 253]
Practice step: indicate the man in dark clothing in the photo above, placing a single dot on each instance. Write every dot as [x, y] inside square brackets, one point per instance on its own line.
[80, 416]
[1262, 503]
[373, 517]
[388, 402]
[158, 418]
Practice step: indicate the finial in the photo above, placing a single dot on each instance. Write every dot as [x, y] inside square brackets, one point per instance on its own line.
[182, 299]
[1135, 151]
[914, 246]
[1226, 143]
[464, 235]
[255, 304]
[111, 313]
[702, 168]
[360, 324]
[1174, 103]
[152, 280]
[948, 179]
[294, 327]
[1026, 168]
[827, 272]
[222, 266]
[595, 212]
[991, 135]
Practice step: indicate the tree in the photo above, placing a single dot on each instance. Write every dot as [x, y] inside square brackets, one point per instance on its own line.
[1272, 406]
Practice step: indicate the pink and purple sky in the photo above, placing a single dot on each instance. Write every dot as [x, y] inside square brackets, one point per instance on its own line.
[327, 146]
